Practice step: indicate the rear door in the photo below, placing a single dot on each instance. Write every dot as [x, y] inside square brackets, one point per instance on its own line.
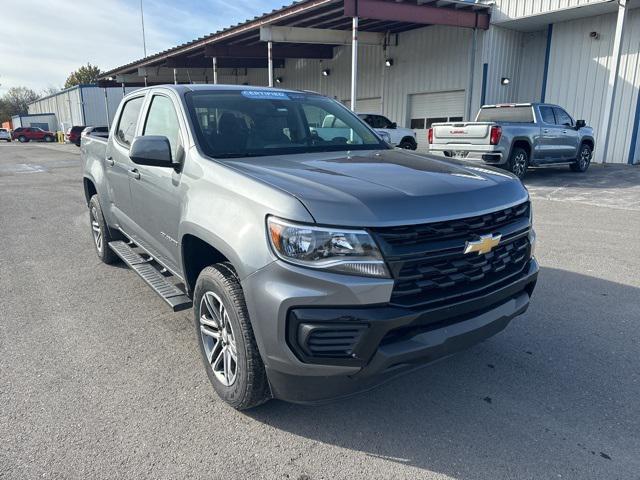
[548, 148]
[568, 134]
[118, 166]
[157, 191]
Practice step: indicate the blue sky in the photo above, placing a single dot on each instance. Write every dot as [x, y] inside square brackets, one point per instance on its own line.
[43, 43]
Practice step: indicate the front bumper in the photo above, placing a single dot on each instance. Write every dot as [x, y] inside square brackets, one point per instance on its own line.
[393, 341]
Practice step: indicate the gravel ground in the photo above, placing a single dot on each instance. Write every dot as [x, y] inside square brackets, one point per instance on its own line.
[100, 380]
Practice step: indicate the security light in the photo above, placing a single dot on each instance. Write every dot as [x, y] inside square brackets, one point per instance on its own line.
[389, 62]
[278, 79]
[326, 72]
[505, 81]
[594, 35]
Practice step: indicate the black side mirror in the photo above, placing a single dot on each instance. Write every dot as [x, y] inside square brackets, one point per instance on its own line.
[580, 124]
[394, 125]
[152, 150]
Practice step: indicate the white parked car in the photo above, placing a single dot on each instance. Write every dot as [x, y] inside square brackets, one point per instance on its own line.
[400, 137]
[5, 135]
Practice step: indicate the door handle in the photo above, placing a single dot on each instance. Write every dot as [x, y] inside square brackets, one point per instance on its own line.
[546, 130]
[564, 131]
[134, 173]
[110, 161]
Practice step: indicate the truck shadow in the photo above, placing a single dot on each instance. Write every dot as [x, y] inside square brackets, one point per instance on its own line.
[541, 397]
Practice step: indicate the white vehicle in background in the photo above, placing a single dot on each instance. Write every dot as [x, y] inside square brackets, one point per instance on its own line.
[399, 136]
[5, 135]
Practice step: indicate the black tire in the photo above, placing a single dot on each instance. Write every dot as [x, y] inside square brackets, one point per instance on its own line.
[99, 226]
[249, 387]
[585, 153]
[23, 139]
[518, 162]
[49, 139]
[408, 144]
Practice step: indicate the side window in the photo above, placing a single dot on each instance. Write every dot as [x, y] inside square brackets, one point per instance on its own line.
[547, 115]
[129, 120]
[162, 120]
[562, 117]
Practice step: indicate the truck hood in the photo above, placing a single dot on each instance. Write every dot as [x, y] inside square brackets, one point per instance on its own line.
[385, 187]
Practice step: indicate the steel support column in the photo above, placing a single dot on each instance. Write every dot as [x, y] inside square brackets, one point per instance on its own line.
[605, 131]
[270, 62]
[175, 76]
[215, 70]
[472, 71]
[354, 63]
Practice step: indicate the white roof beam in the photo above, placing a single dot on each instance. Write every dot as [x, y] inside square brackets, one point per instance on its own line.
[317, 35]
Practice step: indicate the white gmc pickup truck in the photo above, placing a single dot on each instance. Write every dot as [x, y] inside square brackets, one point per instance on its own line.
[516, 136]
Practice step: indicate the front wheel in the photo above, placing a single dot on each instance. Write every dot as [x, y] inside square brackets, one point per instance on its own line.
[518, 162]
[22, 139]
[584, 159]
[226, 340]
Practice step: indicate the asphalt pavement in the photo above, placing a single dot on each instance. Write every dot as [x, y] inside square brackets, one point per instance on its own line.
[98, 379]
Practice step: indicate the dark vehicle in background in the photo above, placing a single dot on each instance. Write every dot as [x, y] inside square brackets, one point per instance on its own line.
[517, 136]
[74, 133]
[27, 134]
[319, 261]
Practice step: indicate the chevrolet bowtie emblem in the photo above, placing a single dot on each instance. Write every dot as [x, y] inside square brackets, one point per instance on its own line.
[484, 245]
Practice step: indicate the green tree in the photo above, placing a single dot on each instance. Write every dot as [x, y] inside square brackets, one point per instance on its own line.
[85, 74]
[16, 102]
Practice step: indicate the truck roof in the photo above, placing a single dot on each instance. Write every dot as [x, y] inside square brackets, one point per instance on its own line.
[529, 104]
[182, 88]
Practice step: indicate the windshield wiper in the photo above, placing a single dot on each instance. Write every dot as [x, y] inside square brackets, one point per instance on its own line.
[237, 155]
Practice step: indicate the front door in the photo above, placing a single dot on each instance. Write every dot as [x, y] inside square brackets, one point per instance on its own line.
[568, 134]
[119, 167]
[157, 191]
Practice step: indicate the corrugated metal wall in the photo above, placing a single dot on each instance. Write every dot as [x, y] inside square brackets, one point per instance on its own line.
[579, 74]
[511, 9]
[67, 105]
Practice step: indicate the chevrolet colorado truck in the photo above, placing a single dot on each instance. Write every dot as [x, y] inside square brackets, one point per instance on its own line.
[318, 263]
[516, 136]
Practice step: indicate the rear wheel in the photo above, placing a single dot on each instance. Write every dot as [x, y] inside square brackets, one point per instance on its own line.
[584, 159]
[226, 340]
[408, 144]
[100, 233]
[48, 139]
[518, 162]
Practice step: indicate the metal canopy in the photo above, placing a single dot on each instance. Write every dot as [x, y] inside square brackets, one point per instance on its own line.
[240, 46]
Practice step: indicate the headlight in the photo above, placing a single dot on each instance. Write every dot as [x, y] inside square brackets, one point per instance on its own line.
[335, 249]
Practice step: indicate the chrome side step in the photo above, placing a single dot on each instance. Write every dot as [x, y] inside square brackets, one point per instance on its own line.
[170, 293]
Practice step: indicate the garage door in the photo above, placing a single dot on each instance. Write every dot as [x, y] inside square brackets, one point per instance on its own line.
[428, 108]
[365, 105]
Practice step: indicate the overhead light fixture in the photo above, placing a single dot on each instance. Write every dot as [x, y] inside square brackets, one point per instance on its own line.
[326, 72]
[389, 62]
[594, 35]
[505, 81]
[278, 79]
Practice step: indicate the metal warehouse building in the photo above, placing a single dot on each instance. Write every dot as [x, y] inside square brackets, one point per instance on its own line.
[421, 61]
[80, 105]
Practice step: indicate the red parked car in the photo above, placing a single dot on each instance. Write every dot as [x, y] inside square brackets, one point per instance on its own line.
[26, 134]
[74, 133]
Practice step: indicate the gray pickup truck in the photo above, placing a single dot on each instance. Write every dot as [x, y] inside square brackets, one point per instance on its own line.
[516, 136]
[319, 262]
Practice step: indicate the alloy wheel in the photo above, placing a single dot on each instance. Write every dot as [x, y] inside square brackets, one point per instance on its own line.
[95, 229]
[519, 164]
[218, 339]
[585, 158]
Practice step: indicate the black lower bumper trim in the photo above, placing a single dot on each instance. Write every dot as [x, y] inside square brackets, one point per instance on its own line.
[422, 337]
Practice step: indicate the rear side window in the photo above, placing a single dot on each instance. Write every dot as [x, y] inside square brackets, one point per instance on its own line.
[519, 114]
[129, 121]
[547, 115]
[562, 117]
[162, 120]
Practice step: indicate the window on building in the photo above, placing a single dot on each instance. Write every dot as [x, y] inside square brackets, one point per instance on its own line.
[417, 123]
[432, 120]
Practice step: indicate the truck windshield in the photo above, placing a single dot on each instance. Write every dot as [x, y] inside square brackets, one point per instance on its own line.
[247, 123]
[520, 114]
